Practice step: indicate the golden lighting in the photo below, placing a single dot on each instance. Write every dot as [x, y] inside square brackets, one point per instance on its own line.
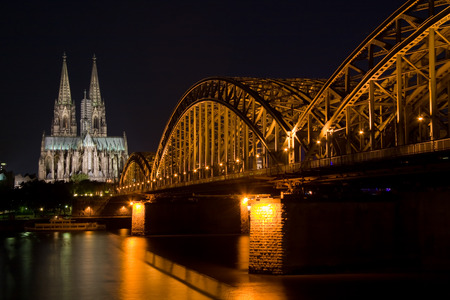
[245, 201]
[175, 174]
[361, 132]
[257, 155]
[138, 219]
[318, 142]
[263, 211]
[285, 149]
[237, 159]
[420, 118]
[131, 203]
[207, 167]
[221, 164]
[195, 170]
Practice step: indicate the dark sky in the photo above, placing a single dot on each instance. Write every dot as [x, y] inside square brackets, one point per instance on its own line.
[150, 52]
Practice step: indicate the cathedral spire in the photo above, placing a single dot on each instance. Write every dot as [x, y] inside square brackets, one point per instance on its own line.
[94, 89]
[64, 86]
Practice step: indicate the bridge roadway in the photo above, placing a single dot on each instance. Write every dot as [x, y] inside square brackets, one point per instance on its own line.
[423, 159]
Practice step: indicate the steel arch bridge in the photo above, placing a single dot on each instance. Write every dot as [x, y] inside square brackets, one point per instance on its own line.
[136, 173]
[393, 90]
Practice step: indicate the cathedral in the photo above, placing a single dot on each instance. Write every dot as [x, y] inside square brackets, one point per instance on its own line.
[65, 153]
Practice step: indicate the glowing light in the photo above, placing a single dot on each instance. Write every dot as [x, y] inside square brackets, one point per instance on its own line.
[285, 149]
[237, 160]
[361, 132]
[263, 211]
[420, 118]
[207, 167]
[245, 201]
[318, 142]
[195, 170]
[131, 202]
[148, 181]
[257, 155]
[41, 209]
[221, 164]
[175, 174]
[184, 173]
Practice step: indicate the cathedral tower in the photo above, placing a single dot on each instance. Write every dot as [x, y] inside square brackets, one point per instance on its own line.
[98, 117]
[64, 122]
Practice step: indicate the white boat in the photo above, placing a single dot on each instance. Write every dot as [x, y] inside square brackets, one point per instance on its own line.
[60, 224]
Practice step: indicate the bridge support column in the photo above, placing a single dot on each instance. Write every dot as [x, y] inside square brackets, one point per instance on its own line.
[267, 250]
[138, 219]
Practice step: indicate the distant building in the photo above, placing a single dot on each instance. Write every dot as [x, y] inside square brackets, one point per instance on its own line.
[19, 180]
[65, 153]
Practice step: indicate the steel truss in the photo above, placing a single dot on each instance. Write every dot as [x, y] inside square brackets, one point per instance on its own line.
[392, 90]
[136, 173]
[230, 125]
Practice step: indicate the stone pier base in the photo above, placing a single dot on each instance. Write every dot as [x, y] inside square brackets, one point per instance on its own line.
[138, 219]
[267, 250]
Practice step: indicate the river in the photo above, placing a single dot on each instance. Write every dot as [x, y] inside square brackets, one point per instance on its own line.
[114, 265]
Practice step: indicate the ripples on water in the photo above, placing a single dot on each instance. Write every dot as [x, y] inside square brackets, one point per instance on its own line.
[82, 265]
[104, 265]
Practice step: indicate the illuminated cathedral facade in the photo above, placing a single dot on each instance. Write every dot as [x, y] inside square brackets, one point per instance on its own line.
[66, 153]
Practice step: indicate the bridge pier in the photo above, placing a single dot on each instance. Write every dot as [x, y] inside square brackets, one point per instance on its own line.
[138, 220]
[292, 236]
[405, 230]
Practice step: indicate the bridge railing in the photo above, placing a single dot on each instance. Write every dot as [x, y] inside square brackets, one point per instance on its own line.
[406, 150]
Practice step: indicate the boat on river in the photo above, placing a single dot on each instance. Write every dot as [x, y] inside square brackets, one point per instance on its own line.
[61, 224]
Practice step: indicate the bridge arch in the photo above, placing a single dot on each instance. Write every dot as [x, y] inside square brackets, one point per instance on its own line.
[392, 90]
[136, 172]
[230, 125]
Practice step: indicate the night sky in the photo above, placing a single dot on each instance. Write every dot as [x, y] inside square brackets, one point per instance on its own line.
[150, 52]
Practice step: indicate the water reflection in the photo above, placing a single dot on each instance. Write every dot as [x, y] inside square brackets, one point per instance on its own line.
[102, 265]
[83, 265]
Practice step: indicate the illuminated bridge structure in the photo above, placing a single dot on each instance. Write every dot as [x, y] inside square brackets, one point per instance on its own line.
[328, 150]
[390, 97]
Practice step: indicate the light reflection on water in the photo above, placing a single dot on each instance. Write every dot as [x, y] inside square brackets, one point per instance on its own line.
[82, 265]
[102, 265]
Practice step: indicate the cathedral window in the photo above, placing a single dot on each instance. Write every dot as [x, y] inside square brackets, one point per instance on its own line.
[65, 123]
[96, 125]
